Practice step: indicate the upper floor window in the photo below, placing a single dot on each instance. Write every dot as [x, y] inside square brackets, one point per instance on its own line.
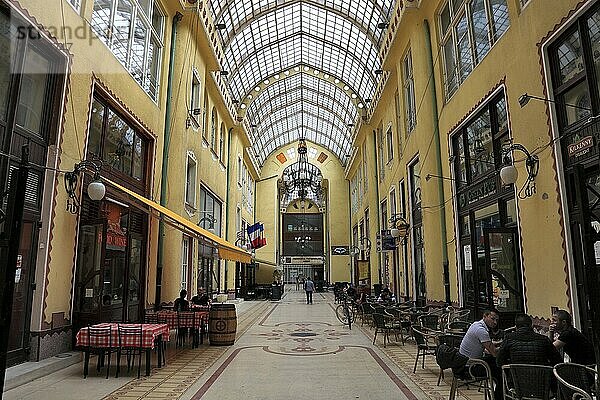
[195, 110]
[478, 146]
[116, 142]
[190, 181]
[409, 93]
[390, 144]
[213, 129]
[469, 28]
[398, 111]
[222, 143]
[133, 31]
[210, 214]
[380, 150]
[575, 59]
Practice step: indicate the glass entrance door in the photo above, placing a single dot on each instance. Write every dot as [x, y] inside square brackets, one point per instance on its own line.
[18, 340]
[503, 273]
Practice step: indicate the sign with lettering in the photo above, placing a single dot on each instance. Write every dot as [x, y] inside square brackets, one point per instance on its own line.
[581, 147]
[479, 191]
[340, 250]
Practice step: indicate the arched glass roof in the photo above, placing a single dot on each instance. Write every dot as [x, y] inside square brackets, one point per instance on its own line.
[301, 106]
[340, 39]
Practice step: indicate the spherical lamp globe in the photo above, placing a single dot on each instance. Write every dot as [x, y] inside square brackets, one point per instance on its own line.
[96, 190]
[509, 174]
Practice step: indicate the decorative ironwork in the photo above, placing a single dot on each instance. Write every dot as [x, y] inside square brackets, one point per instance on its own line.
[301, 180]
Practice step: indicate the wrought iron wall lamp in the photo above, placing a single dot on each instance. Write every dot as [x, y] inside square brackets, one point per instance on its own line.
[95, 190]
[399, 227]
[509, 173]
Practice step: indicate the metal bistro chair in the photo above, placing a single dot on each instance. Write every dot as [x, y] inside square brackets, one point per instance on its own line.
[450, 340]
[456, 326]
[527, 381]
[429, 321]
[401, 321]
[130, 343]
[153, 318]
[424, 346]
[186, 323]
[99, 342]
[383, 323]
[475, 372]
[576, 382]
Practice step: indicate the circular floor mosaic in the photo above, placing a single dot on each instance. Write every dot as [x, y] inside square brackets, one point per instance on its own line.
[294, 338]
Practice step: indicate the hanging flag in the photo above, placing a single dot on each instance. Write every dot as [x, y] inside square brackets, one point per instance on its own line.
[254, 232]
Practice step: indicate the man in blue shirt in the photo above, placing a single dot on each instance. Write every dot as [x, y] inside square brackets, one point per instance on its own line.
[309, 287]
[477, 339]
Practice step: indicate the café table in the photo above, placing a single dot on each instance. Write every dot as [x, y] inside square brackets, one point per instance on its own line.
[151, 334]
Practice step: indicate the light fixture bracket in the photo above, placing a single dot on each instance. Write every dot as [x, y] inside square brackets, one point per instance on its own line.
[96, 188]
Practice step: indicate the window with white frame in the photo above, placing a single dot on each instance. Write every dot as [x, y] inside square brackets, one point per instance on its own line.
[190, 181]
[364, 167]
[390, 144]
[204, 117]
[523, 3]
[222, 143]
[354, 193]
[409, 93]
[468, 30]
[185, 264]
[213, 129]
[195, 110]
[380, 150]
[398, 111]
[133, 31]
[240, 171]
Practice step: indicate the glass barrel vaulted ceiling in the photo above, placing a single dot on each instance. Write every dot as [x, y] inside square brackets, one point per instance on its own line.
[301, 69]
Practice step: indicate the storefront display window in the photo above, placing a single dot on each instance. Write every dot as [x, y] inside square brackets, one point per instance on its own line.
[489, 256]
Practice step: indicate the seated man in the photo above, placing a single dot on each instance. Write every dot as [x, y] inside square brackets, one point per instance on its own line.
[201, 299]
[574, 343]
[181, 303]
[477, 339]
[524, 346]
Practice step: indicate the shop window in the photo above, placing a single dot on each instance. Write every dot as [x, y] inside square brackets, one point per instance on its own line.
[576, 76]
[115, 141]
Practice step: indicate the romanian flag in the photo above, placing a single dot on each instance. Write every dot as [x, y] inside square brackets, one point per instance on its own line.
[256, 234]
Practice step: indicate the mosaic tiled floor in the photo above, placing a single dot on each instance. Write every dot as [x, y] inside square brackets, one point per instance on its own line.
[185, 367]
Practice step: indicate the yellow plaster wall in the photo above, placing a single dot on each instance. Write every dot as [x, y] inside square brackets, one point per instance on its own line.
[90, 57]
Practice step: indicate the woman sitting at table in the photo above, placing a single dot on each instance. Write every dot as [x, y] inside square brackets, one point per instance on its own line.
[181, 304]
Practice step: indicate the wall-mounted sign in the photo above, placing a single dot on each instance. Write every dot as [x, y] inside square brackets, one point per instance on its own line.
[340, 250]
[477, 192]
[581, 147]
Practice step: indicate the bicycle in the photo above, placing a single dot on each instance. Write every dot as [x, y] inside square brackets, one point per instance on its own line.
[345, 312]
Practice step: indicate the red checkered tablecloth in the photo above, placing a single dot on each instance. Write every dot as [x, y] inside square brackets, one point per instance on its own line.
[170, 317]
[149, 334]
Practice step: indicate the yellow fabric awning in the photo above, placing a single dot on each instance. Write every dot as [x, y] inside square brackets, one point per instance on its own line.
[227, 251]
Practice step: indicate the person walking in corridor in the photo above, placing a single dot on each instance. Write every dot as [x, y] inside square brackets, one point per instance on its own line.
[309, 288]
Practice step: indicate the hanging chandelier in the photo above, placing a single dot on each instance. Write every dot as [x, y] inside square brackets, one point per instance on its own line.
[301, 180]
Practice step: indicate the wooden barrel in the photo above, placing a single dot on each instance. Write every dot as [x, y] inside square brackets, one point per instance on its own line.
[222, 324]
